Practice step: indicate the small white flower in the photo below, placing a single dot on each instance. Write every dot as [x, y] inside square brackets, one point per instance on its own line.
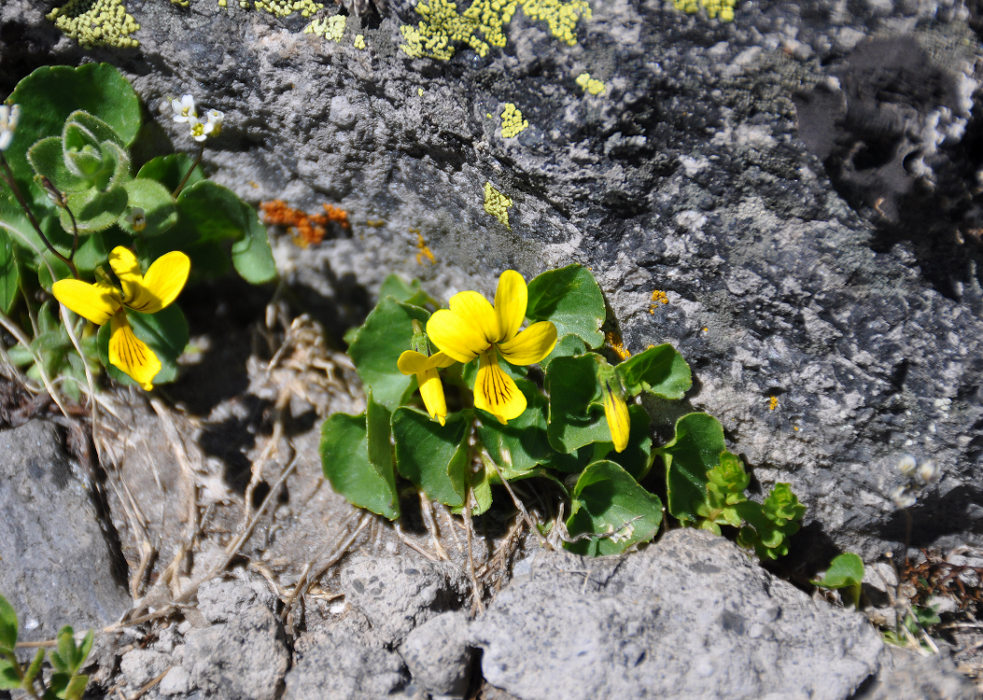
[213, 122]
[902, 499]
[137, 218]
[9, 114]
[907, 464]
[928, 472]
[184, 109]
[198, 129]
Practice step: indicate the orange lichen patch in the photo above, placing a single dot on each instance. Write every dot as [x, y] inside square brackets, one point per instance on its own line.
[772, 403]
[658, 297]
[617, 344]
[423, 251]
[305, 229]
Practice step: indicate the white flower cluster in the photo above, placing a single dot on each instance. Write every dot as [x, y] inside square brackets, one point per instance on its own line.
[918, 476]
[9, 114]
[185, 112]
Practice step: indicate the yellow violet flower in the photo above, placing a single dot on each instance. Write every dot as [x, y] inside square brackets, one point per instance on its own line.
[102, 302]
[616, 413]
[425, 368]
[472, 328]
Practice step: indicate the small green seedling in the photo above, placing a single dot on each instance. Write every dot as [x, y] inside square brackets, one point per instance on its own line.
[846, 571]
[64, 682]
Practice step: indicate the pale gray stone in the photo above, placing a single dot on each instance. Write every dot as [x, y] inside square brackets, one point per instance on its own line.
[438, 655]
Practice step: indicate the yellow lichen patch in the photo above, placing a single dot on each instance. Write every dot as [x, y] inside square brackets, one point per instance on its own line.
[512, 121]
[419, 92]
[714, 8]
[423, 251]
[96, 23]
[658, 297]
[483, 24]
[772, 403]
[359, 42]
[497, 204]
[589, 84]
[285, 8]
[617, 344]
[330, 28]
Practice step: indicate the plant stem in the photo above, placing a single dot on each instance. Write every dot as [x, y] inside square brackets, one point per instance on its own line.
[187, 175]
[12, 184]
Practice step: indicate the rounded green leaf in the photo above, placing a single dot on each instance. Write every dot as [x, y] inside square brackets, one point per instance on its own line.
[9, 274]
[689, 456]
[93, 210]
[521, 444]
[346, 465]
[571, 299]
[386, 333]
[51, 93]
[171, 169]
[845, 570]
[661, 371]
[252, 256]
[435, 457]
[613, 508]
[159, 209]
[47, 157]
[576, 417]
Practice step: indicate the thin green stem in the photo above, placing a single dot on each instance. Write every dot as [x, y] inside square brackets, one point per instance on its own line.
[12, 184]
[187, 175]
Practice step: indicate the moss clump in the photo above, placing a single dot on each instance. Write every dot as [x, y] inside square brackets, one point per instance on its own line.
[483, 24]
[96, 23]
[497, 204]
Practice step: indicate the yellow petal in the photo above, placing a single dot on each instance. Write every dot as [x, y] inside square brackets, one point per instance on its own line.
[441, 360]
[531, 345]
[511, 298]
[95, 302]
[163, 282]
[130, 354]
[455, 337]
[411, 362]
[475, 310]
[495, 392]
[127, 269]
[432, 393]
[616, 414]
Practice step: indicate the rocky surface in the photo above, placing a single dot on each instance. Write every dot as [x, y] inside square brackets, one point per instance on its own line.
[59, 567]
[831, 264]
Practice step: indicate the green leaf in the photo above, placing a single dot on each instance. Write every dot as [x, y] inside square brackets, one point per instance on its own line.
[435, 457]
[386, 333]
[159, 207]
[9, 678]
[252, 256]
[726, 483]
[611, 506]
[408, 293]
[75, 688]
[64, 658]
[844, 571]
[571, 299]
[576, 417]
[47, 157]
[772, 523]
[32, 671]
[522, 443]
[9, 274]
[694, 450]
[93, 130]
[567, 346]
[94, 210]
[171, 169]
[637, 457]
[51, 93]
[8, 625]
[660, 371]
[481, 488]
[346, 464]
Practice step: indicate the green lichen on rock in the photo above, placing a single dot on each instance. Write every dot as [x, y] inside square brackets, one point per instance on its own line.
[497, 204]
[330, 28]
[512, 121]
[724, 9]
[483, 24]
[96, 23]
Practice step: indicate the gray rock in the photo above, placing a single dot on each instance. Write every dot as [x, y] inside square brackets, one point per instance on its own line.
[397, 594]
[438, 655]
[688, 617]
[58, 568]
[221, 600]
[908, 675]
[177, 681]
[139, 666]
[688, 175]
[345, 660]
[244, 657]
